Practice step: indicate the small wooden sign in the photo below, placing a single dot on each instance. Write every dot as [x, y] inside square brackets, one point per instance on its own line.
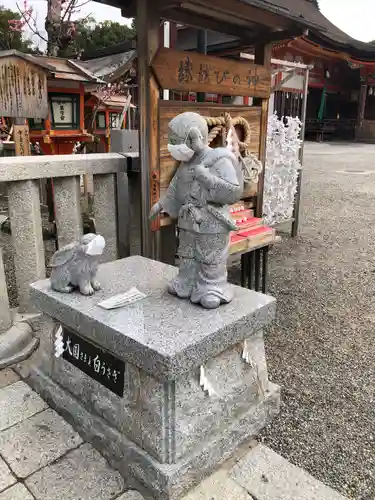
[97, 363]
[21, 140]
[23, 89]
[194, 72]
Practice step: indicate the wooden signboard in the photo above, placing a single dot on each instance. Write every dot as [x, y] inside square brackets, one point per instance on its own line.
[21, 140]
[194, 72]
[169, 109]
[23, 89]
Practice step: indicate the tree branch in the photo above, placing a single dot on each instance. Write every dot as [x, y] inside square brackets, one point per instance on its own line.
[27, 21]
[68, 10]
[82, 4]
[72, 8]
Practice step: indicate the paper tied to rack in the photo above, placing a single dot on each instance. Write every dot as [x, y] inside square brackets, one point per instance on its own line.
[282, 169]
[246, 354]
[205, 384]
[122, 299]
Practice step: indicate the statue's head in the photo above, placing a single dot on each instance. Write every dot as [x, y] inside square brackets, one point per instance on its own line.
[187, 135]
[94, 244]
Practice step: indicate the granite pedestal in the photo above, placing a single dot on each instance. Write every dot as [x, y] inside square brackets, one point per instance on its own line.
[141, 400]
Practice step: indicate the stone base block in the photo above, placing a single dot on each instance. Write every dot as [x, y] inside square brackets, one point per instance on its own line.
[164, 389]
[163, 481]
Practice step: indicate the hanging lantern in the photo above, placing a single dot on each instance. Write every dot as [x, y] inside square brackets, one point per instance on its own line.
[64, 110]
[100, 120]
[114, 119]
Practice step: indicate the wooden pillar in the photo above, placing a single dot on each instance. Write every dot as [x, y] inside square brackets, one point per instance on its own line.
[361, 110]
[166, 43]
[202, 49]
[263, 54]
[148, 21]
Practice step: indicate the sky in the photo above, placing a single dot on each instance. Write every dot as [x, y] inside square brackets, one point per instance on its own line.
[342, 13]
[99, 11]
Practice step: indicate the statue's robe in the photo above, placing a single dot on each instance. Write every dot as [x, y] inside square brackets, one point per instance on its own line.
[201, 207]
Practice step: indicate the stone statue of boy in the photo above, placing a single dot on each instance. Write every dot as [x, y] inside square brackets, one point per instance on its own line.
[205, 184]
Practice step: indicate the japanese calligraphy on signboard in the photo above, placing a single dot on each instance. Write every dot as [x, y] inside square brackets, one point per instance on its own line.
[23, 89]
[194, 72]
[97, 363]
[22, 140]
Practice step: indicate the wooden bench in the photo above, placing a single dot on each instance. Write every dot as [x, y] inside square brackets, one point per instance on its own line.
[321, 128]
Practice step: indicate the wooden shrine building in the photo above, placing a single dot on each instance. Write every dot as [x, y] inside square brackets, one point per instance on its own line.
[72, 91]
[341, 99]
[254, 23]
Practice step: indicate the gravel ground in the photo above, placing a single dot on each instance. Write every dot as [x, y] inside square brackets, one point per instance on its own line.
[321, 347]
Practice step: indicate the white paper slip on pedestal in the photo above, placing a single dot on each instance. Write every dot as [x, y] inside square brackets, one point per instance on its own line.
[122, 299]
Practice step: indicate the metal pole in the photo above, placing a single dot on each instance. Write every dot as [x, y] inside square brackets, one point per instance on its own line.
[167, 43]
[296, 208]
[304, 109]
[162, 234]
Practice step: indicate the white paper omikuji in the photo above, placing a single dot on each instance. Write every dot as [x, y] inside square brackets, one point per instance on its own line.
[246, 354]
[205, 384]
[282, 167]
[122, 299]
[59, 342]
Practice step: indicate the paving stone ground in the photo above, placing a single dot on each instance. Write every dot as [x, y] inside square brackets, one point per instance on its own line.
[43, 458]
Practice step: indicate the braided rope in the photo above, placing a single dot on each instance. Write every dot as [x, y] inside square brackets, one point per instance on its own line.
[214, 132]
[219, 125]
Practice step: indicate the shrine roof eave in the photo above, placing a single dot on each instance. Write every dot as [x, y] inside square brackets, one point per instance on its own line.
[328, 51]
[255, 13]
[28, 58]
[359, 51]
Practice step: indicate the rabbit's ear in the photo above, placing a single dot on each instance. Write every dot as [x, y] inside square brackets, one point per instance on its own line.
[96, 246]
[64, 255]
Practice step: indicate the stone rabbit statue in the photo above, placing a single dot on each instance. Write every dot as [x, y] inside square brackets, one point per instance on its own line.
[75, 266]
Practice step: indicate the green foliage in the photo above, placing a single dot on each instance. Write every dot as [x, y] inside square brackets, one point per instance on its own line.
[13, 39]
[92, 36]
[133, 26]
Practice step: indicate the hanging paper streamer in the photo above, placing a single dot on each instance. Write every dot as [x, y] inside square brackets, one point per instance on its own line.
[282, 166]
[205, 384]
[246, 354]
[59, 343]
